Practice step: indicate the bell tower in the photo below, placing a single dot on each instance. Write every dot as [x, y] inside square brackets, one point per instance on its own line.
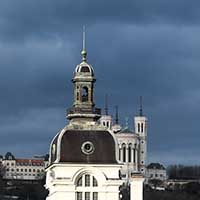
[83, 80]
[141, 129]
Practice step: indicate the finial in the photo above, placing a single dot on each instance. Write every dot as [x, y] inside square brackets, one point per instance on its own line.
[116, 115]
[84, 52]
[106, 104]
[141, 108]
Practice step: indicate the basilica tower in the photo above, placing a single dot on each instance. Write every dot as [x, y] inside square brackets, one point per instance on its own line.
[140, 122]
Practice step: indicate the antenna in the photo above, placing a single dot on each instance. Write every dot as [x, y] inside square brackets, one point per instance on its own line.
[116, 115]
[141, 107]
[106, 104]
[84, 52]
[84, 37]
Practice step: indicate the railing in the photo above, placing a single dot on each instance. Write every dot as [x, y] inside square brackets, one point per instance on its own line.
[74, 110]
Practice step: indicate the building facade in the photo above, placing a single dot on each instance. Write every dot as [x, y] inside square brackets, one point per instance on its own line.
[83, 162]
[23, 169]
[132, 144]
[156, 171]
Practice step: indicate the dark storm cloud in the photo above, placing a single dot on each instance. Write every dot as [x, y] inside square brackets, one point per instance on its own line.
[137, 48]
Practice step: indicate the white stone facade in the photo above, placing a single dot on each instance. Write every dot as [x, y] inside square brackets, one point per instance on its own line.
[63, 182]
[132, 145]
[24, 169]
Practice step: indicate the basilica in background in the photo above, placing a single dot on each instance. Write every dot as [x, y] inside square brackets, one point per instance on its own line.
[91, 157]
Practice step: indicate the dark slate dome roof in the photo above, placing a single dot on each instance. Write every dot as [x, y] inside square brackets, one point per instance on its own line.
[83, 146]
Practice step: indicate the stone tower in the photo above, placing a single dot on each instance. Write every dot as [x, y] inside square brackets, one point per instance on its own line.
[140, 123]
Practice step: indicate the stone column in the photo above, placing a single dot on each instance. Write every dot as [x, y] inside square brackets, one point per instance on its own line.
[136, 159]
[136, 187]
[132, 155]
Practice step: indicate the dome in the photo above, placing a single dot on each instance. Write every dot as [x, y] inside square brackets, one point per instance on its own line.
[84, 67]
[83, 146]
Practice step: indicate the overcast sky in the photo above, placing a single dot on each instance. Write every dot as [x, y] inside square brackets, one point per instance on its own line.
[137, 47]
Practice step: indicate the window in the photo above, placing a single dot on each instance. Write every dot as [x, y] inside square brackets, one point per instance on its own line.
[86, 188]
[124, 152]
[129, 153]
[95, 195]
[29, 170]
[87, 180]
[94, 182]
[17, 170]
[77, 96]
[138, 127]
[87, 195]
[21, 170]
[79, 182]
[142, 127]
[25, 170]
[108, 124]
[84, 94]
[79, 195]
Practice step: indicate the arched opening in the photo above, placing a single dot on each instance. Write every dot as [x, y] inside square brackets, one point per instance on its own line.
[142, 127]
[84, 94]
[124, 152]
[138, 127]
[129, 153]
[86, 188]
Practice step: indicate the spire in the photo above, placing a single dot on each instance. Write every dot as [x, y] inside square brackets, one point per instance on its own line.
[84, 52]
[126, 122]
[116, 115]
[106, 104]
[141, 107]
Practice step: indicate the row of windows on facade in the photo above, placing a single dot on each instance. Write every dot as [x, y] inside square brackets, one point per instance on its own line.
[156, 175]
[107, 124]
[123, 157]
[25, 170]
[18, 174]
[26, 164]
[86, 186]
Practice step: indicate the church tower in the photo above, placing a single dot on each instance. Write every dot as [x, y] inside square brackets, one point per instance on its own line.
[140, 123]
[84, 107]
[83, 155]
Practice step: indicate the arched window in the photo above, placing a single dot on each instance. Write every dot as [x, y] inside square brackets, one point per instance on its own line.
[134, 155]
[108, 124]
[138, 127]
[86, 188]
[129, 153]
[119, 154]
[142, 127]
[124, 152]
[84, 94]
[77, 96]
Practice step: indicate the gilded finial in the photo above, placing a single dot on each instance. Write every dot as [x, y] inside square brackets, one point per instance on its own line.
[84, 52]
